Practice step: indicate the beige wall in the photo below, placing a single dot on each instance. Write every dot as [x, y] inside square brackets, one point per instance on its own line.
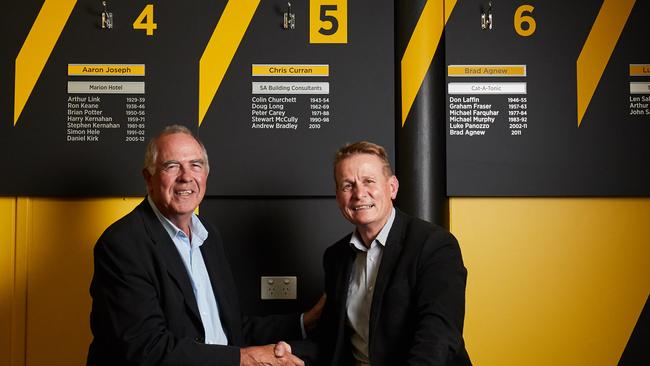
[551, 281]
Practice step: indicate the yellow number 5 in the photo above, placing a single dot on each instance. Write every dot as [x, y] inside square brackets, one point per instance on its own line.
[328, 21]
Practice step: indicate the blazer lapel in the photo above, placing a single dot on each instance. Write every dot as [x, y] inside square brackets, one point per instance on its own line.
[389, 259]
[343, 280]
[341, 291]
[218, 270]
[175, 266]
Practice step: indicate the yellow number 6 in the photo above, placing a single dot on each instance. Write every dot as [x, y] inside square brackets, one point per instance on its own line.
[521, 19]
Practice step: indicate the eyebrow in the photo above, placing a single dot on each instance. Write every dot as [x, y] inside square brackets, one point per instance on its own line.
[170, 162]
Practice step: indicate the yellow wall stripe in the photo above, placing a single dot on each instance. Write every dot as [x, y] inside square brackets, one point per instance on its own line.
[24, 227]
[449, 6]
[221, 49]
[37, 49]
[421, 48]
[598, 49]
[7, 276]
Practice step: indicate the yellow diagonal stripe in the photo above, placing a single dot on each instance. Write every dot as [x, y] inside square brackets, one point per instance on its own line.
[37, 49]
[449, 6]
[421, 48]
[598, 49]
[221, 49]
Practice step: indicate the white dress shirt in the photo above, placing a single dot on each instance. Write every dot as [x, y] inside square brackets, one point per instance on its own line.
[361, 289]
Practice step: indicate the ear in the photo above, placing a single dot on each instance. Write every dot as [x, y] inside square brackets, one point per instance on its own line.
[394, 186]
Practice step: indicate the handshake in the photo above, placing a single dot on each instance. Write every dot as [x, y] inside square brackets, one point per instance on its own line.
[269, 355]
[280, 353]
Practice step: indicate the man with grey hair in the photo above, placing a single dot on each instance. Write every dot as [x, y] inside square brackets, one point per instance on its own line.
[163, 292]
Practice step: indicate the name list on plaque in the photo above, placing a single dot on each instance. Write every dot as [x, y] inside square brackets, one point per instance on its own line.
[103, 98]
[640, 90]
[293, 97]
[475, 108]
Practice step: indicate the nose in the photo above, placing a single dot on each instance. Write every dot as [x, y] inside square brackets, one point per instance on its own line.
[359, 191]
[184, 174]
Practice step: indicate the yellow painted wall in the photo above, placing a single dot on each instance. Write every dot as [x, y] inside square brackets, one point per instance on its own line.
[7, 245]
[48, 274]
[552, 281]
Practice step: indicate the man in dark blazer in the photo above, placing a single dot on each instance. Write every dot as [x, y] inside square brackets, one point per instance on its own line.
[395, 287]
[163, 292]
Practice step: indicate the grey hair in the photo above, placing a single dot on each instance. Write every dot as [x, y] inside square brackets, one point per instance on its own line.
[151, 152]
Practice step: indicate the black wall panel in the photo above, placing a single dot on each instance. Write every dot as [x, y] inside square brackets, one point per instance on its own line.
[537, 145]
[276, 237]
[70, 139]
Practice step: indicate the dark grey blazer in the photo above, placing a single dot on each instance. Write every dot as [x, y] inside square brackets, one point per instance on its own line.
[418, 304]
[144, 311]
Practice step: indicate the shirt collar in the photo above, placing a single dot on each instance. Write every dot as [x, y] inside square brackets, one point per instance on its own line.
[196, 226]
[382, 237]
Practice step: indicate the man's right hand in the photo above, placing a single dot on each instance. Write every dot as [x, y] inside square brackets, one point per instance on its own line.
[269, 355]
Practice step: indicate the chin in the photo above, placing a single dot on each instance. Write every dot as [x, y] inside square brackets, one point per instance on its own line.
[362, 220]
[185, 207]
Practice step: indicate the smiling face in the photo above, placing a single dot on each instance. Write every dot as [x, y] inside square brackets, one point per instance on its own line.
[177, 184]
[365, 193]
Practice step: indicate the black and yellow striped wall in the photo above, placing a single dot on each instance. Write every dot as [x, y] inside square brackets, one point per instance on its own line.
[552, 280]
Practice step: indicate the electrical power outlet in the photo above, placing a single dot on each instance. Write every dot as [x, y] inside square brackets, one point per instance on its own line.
[279, 287]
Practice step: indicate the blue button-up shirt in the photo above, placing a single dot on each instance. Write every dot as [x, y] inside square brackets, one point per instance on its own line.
[190, 252]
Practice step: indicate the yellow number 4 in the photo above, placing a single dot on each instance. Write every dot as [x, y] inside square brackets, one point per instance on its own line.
[145, 20]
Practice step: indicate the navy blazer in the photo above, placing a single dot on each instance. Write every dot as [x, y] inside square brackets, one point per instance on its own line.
[144, 311]
[418, 305]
